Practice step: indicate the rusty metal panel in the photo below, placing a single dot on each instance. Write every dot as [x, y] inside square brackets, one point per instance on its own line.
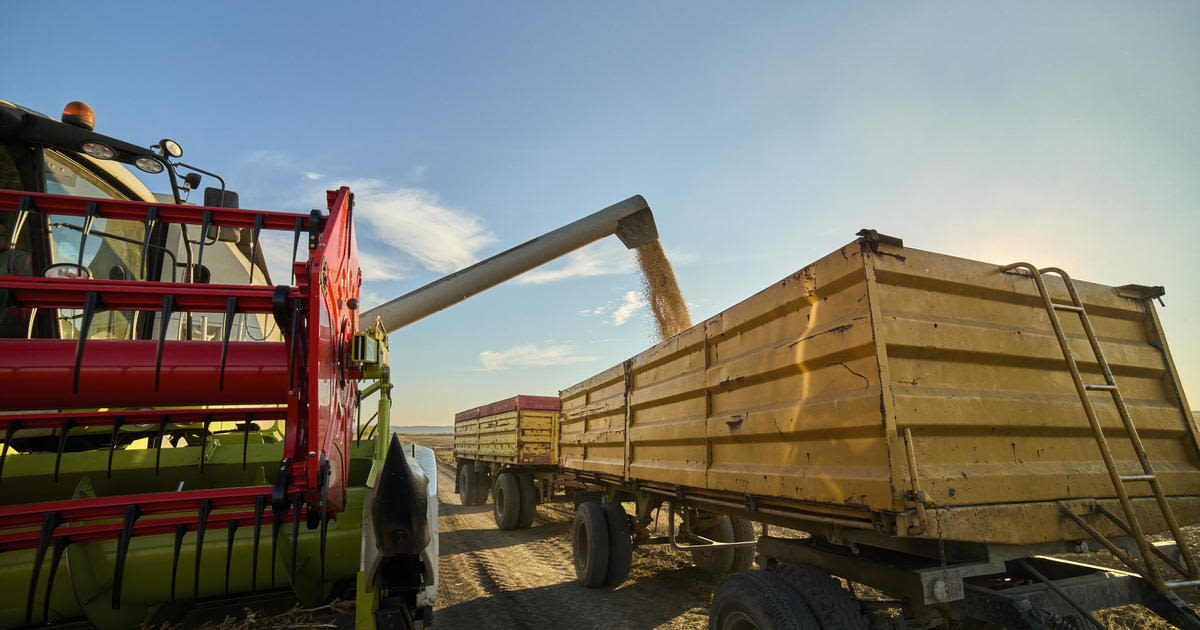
[591, 434]
[801, 395]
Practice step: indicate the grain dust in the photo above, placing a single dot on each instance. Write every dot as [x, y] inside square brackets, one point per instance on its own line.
[661, 291]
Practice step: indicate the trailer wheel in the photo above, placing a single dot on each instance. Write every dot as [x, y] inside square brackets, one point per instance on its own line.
[717, 561]
[829, 602]
[467, 484]
[743, 557]
[589, 542]
[620, 544]
[483, 484]
[506, 500]
[758, 600]
[529, 500]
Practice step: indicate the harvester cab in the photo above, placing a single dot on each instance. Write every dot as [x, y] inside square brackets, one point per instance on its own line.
[176, 425]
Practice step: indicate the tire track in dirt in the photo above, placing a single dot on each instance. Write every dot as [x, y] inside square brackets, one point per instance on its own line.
[526, 578]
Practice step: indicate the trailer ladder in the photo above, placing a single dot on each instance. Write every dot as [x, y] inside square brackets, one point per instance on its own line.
[1131, 526]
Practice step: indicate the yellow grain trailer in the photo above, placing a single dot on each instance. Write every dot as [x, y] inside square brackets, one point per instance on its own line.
[508, 447]
[936, 424]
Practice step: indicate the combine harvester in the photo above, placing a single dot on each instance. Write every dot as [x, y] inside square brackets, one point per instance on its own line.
[941, 428]
[178, 431]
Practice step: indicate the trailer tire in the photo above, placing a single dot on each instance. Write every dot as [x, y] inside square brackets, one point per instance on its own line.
[717, 561]
[529, 500]
[506, 500]
[743, 557]
[829, 602]
[620, 544]
[483, 484]
[467, 483]
[589, 544]
[759, 600]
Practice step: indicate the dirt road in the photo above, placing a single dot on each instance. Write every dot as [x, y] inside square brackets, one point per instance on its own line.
[526, 579]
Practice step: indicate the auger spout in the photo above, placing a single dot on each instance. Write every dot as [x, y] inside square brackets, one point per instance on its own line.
[630, 220]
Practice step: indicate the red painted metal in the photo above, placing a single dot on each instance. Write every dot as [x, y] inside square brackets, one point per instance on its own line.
[121, 374]
[309, 373]
[142, 417]
[516, 403]
[119, 295]
[333, 278]
[45, 203]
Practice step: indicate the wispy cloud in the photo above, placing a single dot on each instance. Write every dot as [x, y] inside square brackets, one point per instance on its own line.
[415, 221]
[631, 303]
[619, 311]
[599, 259]
[313, 176]
[375, 267]
[530, 355]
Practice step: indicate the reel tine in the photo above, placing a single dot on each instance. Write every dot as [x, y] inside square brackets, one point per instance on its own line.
[358, 421]
[205, 224]
[162, 430]
[295, 246]
[117, 422]
[230, 310]
[180, 532]
[62, 446]
[132, 512]
[208, 419]
[276, 523]
[9, 432]
[60, 546]
[260, 504]
[292, 345]
[232, 531]
[168, 306]
[24, 207]
[49, 522]
[324, 513]
[245, 440]
[93, 211]
[90, 303]
[150, 222]
[205, 508]
[297, 504]
[258, 226]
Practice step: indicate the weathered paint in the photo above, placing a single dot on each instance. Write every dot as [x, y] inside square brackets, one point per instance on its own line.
[803, 392]
[524, 435]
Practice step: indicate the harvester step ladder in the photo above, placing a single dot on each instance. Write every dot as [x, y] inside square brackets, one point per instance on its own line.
[1130, 524]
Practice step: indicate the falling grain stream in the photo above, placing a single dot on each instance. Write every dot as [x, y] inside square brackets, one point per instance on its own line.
[662, 291]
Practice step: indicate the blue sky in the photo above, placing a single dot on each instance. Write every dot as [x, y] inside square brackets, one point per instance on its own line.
[763, 139]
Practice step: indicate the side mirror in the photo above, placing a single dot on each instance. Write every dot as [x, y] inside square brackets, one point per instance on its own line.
[216, 198]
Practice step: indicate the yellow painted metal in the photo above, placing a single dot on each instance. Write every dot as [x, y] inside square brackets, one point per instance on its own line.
[804, 393]
[515, 437]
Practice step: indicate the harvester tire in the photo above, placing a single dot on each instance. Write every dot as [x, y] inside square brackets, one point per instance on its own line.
[620, 544]
[718, 561]
[831, 604]
[743, 557]
[529, 500]
[759, 600]
[506, 500]
[589, 542]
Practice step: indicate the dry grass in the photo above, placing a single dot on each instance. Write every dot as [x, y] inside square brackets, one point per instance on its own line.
[297, 618]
